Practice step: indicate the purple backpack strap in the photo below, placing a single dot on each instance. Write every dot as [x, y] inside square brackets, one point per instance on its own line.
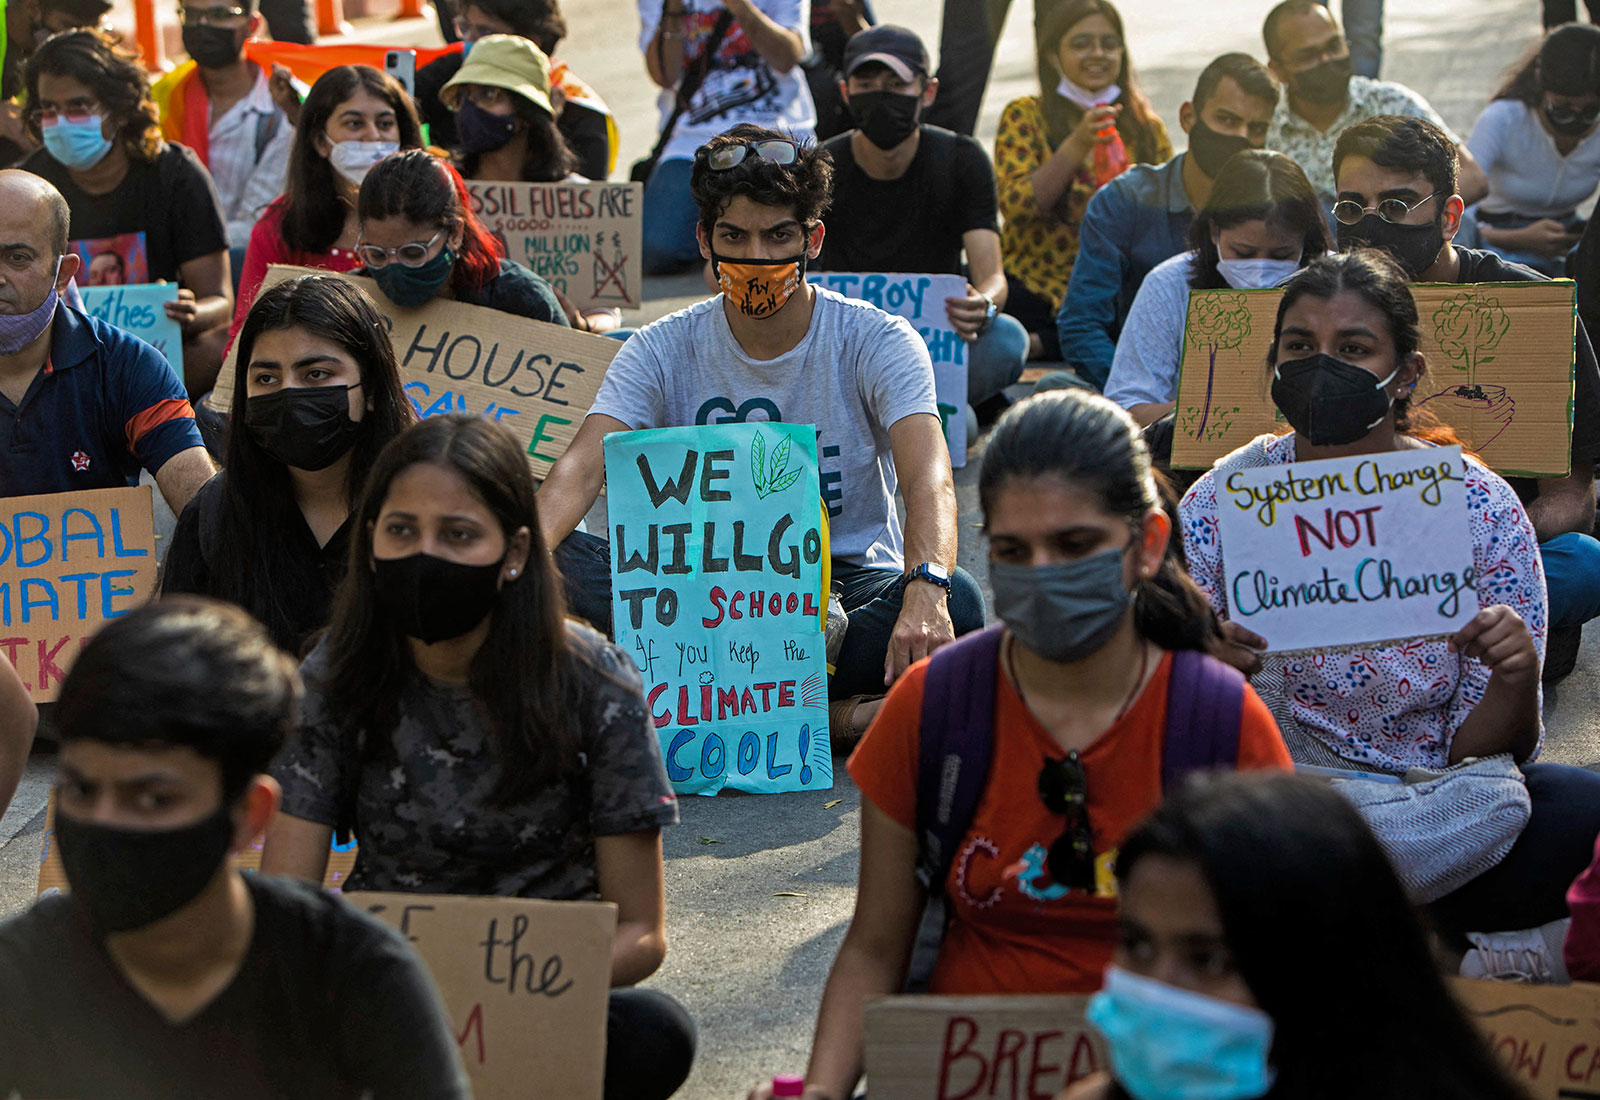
[1205, 703]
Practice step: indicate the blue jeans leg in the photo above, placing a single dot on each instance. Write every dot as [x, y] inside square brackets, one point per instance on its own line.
[1363, 29]
[584, 561]
[872, 600]
[996, 360]
[1572, 577]
[670, 216]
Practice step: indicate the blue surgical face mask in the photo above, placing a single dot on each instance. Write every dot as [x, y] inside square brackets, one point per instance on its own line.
[77, 145]
[1170, 1044]
[1256, 274]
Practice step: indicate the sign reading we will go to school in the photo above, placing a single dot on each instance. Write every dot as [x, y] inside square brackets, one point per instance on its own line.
[717, 575]
[1348, 551]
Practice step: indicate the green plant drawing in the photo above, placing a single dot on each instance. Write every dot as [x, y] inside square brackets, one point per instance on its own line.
[1218, 322]
[771, 476]
[1468, 330]
[1214, 425]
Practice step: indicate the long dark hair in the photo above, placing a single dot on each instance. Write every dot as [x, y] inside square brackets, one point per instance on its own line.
[116, 77]
[313, 216]
[1566, 61]
[1089, 443]
[1256, 185]
[418, 186]
[1138, 119]
[1297, 876]
[524, 676]
[251, 567]
[547, 158]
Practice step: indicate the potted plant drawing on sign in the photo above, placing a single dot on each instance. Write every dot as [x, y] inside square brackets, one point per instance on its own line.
[1219, 322]
[1469, 327]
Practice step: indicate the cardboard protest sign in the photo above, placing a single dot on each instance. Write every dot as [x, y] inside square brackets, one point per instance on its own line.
[68, 562]
[920, 300]
[1500, 365]
[536, 379]
[585, 239]
[1348, 550]
[138, 309]
[525, 983]
[959, 1048]
[717, 575]
[1548, 1036]
[53, 876]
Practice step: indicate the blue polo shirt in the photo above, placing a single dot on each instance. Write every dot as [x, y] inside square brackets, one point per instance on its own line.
[104, 405]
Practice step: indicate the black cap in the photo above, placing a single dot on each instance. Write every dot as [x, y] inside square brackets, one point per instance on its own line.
[901, 50]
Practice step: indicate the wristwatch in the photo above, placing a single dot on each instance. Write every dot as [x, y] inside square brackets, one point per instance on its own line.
[988, 319]
[930, 571]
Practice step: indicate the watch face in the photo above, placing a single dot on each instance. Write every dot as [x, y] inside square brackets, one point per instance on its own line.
[937, 572]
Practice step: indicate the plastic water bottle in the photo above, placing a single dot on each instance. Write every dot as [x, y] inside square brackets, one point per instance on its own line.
[788, 1084]
[1110, 157]
[833, 637]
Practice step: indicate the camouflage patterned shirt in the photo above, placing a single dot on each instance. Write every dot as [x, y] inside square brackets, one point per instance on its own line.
[420, 803]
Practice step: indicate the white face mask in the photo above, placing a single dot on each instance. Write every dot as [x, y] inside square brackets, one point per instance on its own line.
[351, 159]
[1256, 274]
[1083, 97]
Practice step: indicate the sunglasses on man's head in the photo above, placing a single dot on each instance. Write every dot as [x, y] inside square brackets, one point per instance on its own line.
[1063, 788]
[777, 150]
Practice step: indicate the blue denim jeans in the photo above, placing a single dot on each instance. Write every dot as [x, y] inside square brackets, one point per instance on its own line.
[996, 360]
[1572, 577]
[1363, 29]
[670, 216]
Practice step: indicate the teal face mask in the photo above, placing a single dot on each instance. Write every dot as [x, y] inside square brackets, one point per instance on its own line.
[1169, 1044]
[78, 145]
[412, 286]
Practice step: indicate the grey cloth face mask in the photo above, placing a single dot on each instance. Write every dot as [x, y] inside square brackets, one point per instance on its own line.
[1064, 611]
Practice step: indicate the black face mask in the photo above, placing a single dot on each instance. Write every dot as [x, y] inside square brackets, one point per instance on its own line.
[212, 47]
[480, 131]
[130, 878]
[1569, 123]
[886, 118]
[1414, 247]
[307, 428]
[1324, 84]
[431, 598]
[1329, 402]
[1211, 150]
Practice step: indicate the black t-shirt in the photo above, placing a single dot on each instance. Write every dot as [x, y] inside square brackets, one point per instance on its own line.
[328, 1003]
[518, 290]
[162, 215]
[1486, 267]
[913, 223]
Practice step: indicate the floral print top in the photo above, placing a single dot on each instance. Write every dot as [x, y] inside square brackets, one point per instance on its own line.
[1039, 248]
[1394, 706]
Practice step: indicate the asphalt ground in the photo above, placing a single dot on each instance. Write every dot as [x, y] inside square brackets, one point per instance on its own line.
[760, 888]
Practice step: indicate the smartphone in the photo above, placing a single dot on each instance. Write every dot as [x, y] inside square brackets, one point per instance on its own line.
[402, 65]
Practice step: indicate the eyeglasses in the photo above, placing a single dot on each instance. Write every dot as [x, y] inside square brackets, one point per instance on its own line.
[1062, 787]
[78, 111]
[214, 17]
[1393, 211]
[1563, 115]
[414, 254]
[776, 150]
[1085, 43]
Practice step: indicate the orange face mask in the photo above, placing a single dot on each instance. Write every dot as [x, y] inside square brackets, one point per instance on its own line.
[759, 288]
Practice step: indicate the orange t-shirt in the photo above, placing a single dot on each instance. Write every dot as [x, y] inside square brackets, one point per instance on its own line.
[1012, 929]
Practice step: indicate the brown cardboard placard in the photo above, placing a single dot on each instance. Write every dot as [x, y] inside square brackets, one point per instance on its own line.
[535, 378]
[525, 984]
[1547, 1036]
[68, 562]
[53, 876]
[584, 239]
[956, 1048]
[1500, 372]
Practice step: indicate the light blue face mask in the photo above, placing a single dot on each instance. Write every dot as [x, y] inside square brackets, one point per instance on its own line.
[77, 145]
[1256, 274]
[1170, 1044]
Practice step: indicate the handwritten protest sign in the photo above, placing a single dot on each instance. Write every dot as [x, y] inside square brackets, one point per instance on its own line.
[138, 309]
[1348, 550]
[585, 239]
[920, 300]
[536, 379]
[960, 1048]
[1548, 1036]
[717, 563]
[1500, 372]
[525, 984]
[68, 562]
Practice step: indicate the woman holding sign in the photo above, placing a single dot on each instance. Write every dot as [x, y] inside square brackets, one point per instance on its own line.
[476, 740]
[1344, 363]
[1067, 725]
[316, 396]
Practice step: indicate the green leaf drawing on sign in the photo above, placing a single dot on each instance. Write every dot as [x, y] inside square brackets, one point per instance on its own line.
[785, 481]
[780, 462]
[758, 472]
[777, 480]
[1467, 328]
[1220, 322]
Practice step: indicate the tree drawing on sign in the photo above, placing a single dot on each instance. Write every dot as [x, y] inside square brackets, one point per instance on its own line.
[1219, 322]
[1468, 328]
[771, 476]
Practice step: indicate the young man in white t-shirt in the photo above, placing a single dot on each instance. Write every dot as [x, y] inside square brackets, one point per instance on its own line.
[772, 347]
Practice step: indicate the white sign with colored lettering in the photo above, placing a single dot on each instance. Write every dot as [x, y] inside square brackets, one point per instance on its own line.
[1348, 551]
